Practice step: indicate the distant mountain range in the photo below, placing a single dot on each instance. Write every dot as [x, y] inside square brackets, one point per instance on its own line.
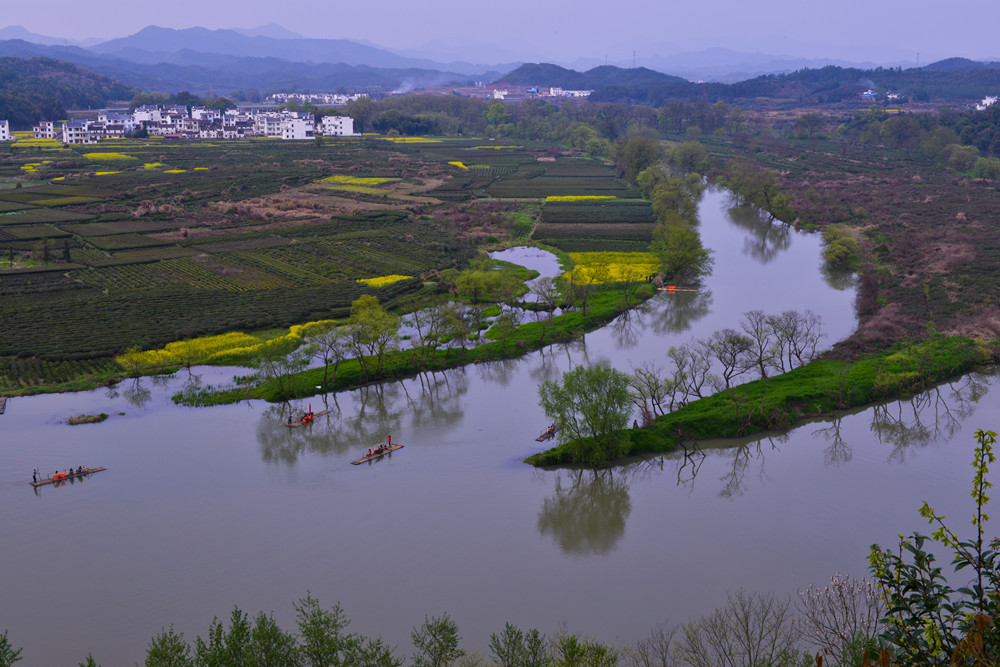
[269, 57]
[203, 60]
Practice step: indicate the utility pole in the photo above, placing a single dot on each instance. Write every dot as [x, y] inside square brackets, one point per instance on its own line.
[633, 60]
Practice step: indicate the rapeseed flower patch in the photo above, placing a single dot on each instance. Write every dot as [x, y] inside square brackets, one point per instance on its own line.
[174, 171]
[383, 280]
[458, 164]
[152, 165]
[222, 347]
[105, 173]
[107, 156]
[357, 180]
[611, 267]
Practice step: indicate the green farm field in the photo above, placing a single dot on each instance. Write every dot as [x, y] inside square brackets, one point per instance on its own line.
[145, 242]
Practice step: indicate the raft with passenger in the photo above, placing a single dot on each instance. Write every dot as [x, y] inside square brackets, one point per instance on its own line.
[306, 419]
[377, 453]
[63, 475]
[548, 433]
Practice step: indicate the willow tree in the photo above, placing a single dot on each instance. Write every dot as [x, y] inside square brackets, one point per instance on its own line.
[592, 407]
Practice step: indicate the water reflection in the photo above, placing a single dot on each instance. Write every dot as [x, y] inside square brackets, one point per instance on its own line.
[137, 393]
[767, 237]
[934, 415]
[837, 277]
[675, 313]
[586, 516]
[374, 413]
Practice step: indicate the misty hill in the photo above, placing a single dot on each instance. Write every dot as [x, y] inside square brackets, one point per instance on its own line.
[960, 65]
[154, 44]
[217, 74]
[42, 88]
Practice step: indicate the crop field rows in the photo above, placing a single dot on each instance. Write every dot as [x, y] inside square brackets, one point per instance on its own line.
[135, 278]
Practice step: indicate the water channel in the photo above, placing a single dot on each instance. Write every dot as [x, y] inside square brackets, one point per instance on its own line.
[203, 509]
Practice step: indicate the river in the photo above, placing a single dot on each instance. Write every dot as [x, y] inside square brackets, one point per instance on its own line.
[201, 509]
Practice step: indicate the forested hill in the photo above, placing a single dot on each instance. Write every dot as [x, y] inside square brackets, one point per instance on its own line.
[953, 79]
[43, 88]
[545, 74]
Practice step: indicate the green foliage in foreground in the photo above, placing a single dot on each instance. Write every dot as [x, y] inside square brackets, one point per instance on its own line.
[930, 622]
[819, 387]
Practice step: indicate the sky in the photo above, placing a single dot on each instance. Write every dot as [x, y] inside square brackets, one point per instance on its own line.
[883, 31]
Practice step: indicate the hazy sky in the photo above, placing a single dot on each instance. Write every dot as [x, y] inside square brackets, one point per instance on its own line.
[851, 29]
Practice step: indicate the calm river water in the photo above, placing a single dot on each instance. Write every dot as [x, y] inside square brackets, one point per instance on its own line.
[203, 509]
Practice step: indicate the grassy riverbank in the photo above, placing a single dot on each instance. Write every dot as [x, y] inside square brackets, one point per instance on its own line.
[822, 386]
[603, 305]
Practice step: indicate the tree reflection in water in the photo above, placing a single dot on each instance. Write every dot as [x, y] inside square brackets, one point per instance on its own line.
[675, 313]
[375, 412]
[837, 277]
[587, 517]
[838, 451]
[931, 416]
[935, 415]
[498, 372]
[137, 393]
[547, 365]
[742, 459]
[767, 237]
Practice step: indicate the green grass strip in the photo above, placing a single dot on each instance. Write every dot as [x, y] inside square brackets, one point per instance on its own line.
[819, 387]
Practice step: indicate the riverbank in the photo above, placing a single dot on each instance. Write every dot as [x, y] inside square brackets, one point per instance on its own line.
[605, 304]
[820, 387]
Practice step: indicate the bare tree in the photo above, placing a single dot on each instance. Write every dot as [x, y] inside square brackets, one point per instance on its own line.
[732, 350]
[752, 629]
[692, 367]
[648, 391]
[796, 336]
[329, 347]
[655, 650]
[547, 293]
[758, 328]
[841, 618]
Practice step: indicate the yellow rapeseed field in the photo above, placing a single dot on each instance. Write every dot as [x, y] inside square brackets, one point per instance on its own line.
[611, 267]
[107, 156]
[383, 280]
[357, 180]
[208, 348]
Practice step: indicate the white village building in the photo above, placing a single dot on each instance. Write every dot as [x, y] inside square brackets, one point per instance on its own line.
[337, 126]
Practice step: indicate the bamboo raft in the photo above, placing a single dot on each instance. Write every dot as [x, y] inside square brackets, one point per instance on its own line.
[73, 475]
[300, 422]
[373, 456]
[674, 288]
[549, 433]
